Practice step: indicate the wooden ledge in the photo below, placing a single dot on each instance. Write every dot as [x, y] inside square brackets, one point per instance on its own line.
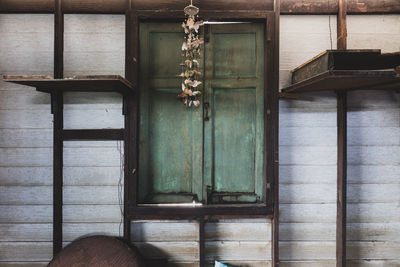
[91, 83]
[347, 80]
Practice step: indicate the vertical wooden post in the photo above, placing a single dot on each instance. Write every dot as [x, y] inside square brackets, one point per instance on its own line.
[57, 109]
[342, 25]
[341, 147]
[131, 101]
[275, 134]
[201, 243]
[58, 40]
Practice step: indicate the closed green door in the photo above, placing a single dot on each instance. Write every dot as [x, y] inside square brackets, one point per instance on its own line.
[234, 89]
[171, 135]
[183, 155]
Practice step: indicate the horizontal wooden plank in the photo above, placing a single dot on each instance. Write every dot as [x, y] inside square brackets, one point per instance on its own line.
[364, 212]
[243, 263]
[327, 231]
[373, 263]
[313, 263]
[98, 41]
[83, 23]
[164, 231]
[174, 251]
[327, 117]
[39, 138]
[350, 263]
[238, 231]
[71, 213]
[27, 98]
[73, 119]
[326, 250]
[22, 42]
[326, 193]
[43, 195]
[94, 156]
[26, 251]
[98, 62]
[39, 232]
[326, 155]
[356, 174]
[28, 62]
[237, 250]
[24, 264]
[318, 136]
[39, 176]
[20, 23]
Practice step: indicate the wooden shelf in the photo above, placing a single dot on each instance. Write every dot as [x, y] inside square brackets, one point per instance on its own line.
[347, 80]
[347, 70]
[92, 83]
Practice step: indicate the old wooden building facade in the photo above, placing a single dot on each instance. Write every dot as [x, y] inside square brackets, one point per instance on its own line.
[102, 154]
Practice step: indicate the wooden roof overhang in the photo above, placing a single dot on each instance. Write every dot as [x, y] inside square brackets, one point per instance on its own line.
[287, 7]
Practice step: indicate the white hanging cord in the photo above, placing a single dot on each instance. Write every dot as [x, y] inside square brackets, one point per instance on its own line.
[120, 185]
[330, 27]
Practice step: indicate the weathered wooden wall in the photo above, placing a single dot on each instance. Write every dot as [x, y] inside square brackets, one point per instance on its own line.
[308, 153]
[94, 44]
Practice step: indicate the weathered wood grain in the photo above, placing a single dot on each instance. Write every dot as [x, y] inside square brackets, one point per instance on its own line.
[40, 176]
[24, 264]
[326, 231]
[325, 155]
[327, 117]
[26, 251]
[43, 195]
[383, 28]
[320, 136]
[27, 98]
[79, 157]
[71, 213]
[43, 232]
[174, 251]
[237, 250]
[324, 193]
[363, 212]
[42, 119]
[361, 174]
[164, 231]
[251, 231]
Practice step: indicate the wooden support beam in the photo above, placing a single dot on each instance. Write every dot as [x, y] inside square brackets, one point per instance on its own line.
[288, 7]
[342, 25]
[341, 179]
[58, 40]
[57, 109]
[131, 106]
[341, 147]
[57, 104]
[93, 135]
[202, 248]
[275, 136]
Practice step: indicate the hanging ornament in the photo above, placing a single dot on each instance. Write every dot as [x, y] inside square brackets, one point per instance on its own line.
[191, 53]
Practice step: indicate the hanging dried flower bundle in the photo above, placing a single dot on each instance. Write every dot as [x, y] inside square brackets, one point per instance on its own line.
[191, 53]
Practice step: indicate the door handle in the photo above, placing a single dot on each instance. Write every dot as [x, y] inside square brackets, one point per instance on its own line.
[206, 109]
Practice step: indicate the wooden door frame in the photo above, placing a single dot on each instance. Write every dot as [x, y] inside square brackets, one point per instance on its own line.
[135, 211]
[270, 209]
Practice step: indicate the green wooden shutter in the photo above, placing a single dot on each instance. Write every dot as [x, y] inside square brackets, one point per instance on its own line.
[234, 85]
[171, 135]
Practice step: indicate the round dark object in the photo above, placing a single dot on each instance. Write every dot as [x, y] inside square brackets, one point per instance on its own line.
[99, 251]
